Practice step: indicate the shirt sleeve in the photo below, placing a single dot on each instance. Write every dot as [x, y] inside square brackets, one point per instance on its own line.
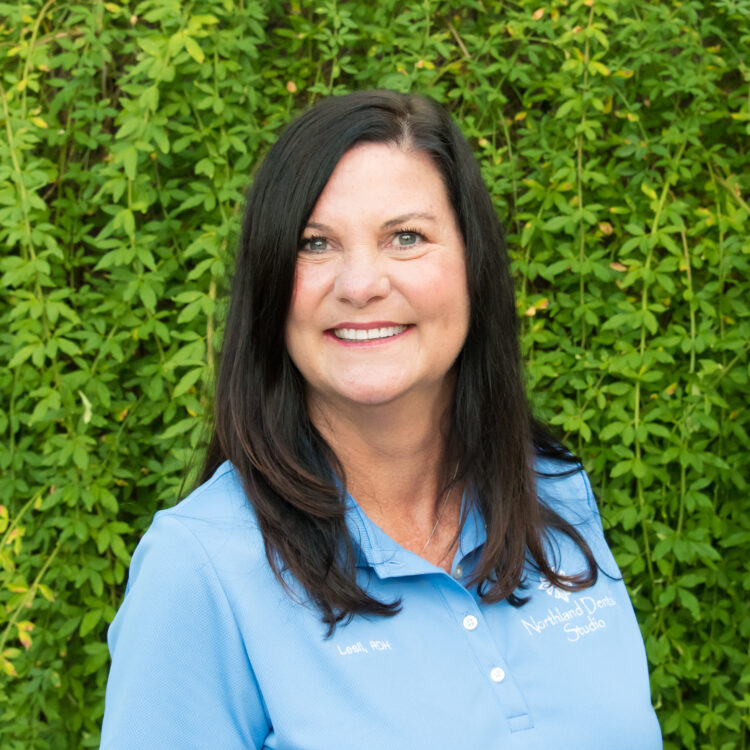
[180, 674]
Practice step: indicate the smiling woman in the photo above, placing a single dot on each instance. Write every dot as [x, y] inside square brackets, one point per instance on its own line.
[380, 307]
[386, 549]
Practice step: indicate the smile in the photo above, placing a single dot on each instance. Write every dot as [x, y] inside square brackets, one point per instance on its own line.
[367, 334]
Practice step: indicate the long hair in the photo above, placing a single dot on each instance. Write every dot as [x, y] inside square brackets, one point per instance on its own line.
[290, 474]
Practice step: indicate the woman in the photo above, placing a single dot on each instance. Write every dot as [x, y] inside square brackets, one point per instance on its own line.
[386, 550]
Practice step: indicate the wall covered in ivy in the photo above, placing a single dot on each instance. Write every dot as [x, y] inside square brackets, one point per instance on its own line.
[614, 137]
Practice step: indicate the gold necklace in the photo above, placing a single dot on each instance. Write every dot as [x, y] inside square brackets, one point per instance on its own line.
[443, 506]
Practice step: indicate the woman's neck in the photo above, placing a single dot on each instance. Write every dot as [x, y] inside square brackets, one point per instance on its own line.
[396, 468]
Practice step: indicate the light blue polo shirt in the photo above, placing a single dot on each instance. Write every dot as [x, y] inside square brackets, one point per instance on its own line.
[209, 650]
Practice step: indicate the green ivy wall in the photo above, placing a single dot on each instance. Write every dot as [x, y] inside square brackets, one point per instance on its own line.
[613, 135]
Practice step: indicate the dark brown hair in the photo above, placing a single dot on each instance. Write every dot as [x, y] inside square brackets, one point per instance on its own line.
[290, 474]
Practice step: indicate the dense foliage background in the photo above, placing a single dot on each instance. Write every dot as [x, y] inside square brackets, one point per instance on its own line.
[613, 135]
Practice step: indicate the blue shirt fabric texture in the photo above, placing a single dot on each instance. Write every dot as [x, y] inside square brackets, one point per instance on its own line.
[209, 650]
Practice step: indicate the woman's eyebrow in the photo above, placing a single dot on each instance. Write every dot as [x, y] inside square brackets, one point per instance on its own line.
[316, 225]
[386, 225]
[408, 217]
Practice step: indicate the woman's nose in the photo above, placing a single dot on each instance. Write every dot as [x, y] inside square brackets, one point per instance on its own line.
[361, 278]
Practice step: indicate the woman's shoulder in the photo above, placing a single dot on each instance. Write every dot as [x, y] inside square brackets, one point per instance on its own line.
[564, 487]
[217, 504]
[214, 527]
[176, 635]
[220, 499]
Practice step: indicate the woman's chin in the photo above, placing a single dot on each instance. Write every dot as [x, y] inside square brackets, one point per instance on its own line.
[361, 393]
[367, 397]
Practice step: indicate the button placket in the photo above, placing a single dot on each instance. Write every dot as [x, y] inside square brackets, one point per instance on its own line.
[489, 658]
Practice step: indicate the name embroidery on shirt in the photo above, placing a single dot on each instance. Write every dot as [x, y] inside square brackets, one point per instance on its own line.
[582, 618]
[360, 648]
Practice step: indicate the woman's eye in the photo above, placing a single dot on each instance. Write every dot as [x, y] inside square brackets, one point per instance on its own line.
[315, 244]
[407, 239]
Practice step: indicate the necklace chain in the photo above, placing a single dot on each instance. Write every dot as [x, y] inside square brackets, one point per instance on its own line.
[441, 511]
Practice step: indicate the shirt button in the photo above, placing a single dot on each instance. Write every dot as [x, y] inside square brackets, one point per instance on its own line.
[458, 572]
[497, 674]
[470, 622]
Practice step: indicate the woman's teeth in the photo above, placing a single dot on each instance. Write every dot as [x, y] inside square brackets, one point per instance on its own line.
[367, 334]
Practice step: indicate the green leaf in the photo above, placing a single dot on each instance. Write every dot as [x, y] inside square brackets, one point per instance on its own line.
[148, 297]
[528, 233]
[118, 547]
[690, 601]
[90, 621]
[129, 159]
[555, 224]
[187, 381]
[206, 167]
[612, 429]
[621, 467]
[80, 456]
[193, 49]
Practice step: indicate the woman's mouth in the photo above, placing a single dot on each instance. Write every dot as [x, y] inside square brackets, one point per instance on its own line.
[367, 334]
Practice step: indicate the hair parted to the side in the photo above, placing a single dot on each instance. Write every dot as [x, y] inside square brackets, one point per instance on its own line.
[261, 420]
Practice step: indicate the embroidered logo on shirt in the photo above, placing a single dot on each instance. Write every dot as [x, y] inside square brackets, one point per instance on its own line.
[582, 615]
[547, 587]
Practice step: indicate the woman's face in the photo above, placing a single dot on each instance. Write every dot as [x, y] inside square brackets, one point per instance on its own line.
[380, 308]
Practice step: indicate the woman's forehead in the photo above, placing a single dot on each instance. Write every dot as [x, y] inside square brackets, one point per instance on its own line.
[383, 177]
